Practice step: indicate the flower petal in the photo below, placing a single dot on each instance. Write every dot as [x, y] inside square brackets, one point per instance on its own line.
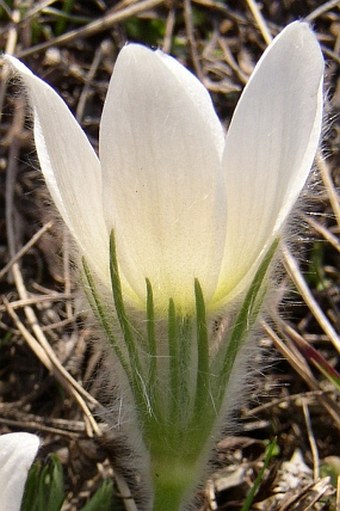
[198, 95]
[70, 167]
[17, 452]
[270, 147]
[160, 146]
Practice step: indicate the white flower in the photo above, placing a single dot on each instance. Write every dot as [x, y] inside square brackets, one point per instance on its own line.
[184, 200]
[17, 452]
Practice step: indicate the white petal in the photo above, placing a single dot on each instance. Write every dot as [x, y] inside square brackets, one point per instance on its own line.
[70, 167]
[17, 452]
[162, 180]
[270, 147]
[199, 95]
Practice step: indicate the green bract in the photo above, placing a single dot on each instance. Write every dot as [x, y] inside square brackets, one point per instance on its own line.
[179, 387]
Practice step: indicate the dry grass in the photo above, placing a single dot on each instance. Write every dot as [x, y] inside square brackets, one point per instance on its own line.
[48, 367]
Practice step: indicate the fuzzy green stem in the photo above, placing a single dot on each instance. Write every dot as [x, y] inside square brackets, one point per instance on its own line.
[172, 480]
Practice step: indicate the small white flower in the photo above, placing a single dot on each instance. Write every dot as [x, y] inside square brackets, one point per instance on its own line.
[184, 200]
[17, 452]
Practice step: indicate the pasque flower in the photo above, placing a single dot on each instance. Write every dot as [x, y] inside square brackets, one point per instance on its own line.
[17, 452]
[176, 219]
[186, 201]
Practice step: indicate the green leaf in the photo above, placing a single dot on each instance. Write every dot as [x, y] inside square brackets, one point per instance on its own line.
[102, 500]
[152, 345]
[29, 502]
[62, 22]
[203, 374]
[173, 360]
[44, 489]
[101, 314]
[149, 31]
[272, 450]
[331, 468]
[123, 319]
[54, 484]
[138, 381]
[315, 275]
[245, 320]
